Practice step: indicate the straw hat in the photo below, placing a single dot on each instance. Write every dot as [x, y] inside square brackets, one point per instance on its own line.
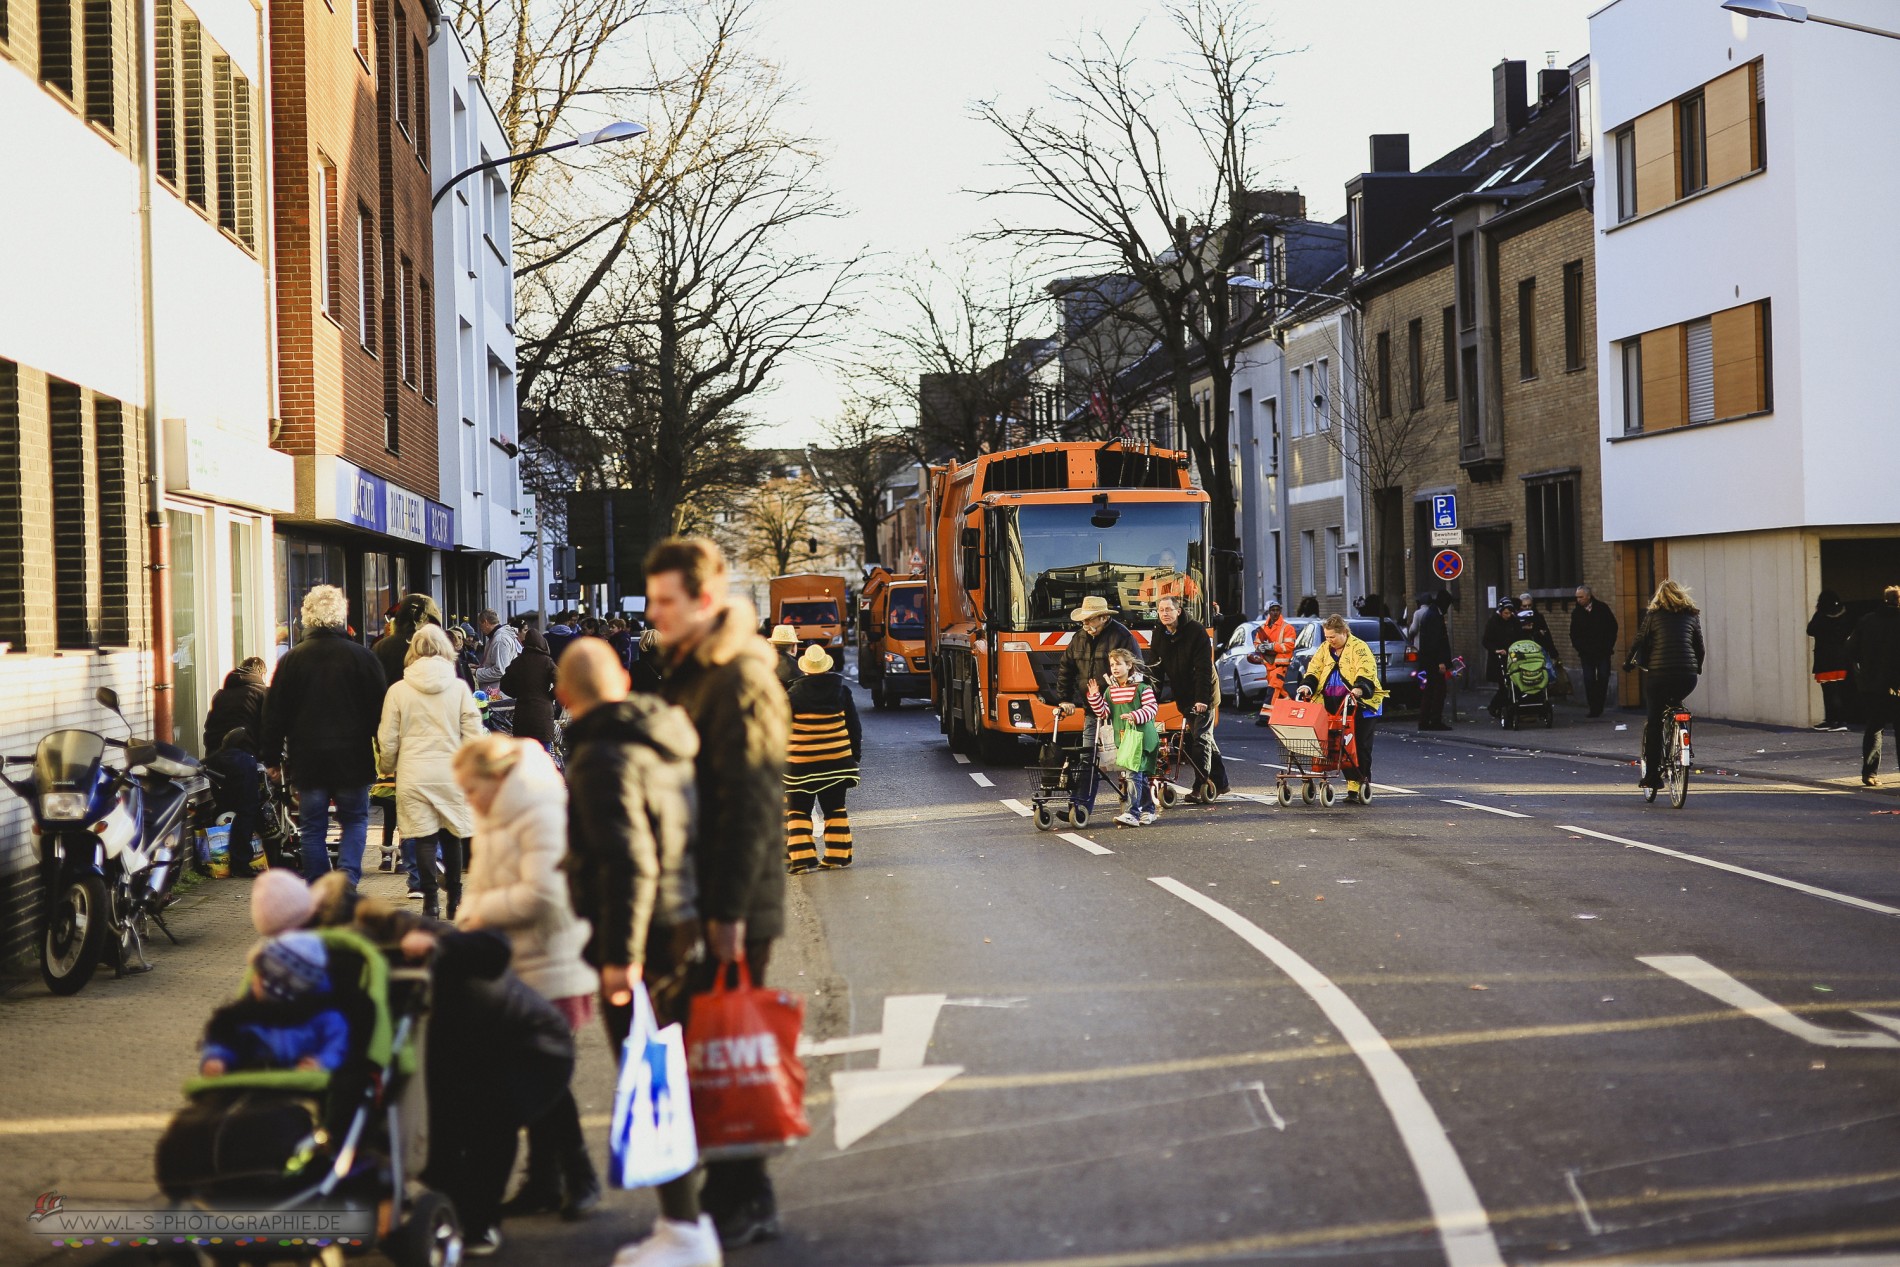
[815, 660]
[784, 636]
[1093, 605]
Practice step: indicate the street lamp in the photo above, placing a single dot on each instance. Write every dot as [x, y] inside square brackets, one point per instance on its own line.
[1782, 11]
[617, 131]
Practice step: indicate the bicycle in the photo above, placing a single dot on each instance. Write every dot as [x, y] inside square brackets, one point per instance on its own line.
[1677, 755]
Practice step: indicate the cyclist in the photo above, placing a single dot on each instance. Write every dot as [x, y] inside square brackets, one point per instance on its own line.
[1668, 646]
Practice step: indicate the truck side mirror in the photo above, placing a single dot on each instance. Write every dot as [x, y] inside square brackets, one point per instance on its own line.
[969, 538]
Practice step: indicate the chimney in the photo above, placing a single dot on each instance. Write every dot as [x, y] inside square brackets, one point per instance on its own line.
[1278, 204]
[1392, 152]
[1509, 112]
[1550, 84]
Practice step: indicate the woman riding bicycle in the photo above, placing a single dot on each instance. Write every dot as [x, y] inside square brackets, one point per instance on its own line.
[1669, 646]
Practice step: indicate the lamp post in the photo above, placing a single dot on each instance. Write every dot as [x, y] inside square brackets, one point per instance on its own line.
[620, 131]
[1782, 11]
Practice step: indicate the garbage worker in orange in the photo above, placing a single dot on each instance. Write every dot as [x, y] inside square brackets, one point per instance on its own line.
[1273, 646]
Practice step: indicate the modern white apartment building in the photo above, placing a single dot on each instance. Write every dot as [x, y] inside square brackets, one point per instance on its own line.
[480, 437]
[1745, 323]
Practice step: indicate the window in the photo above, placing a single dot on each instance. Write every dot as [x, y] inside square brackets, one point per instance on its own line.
[56, 45]
[406, 320]
[1633, 387]
[3, 39]
[1450, 334]
[419, 75]
[245, 213]
[191, 72]
[328, 291]
[224, 130]
[1761, 116]
[1309, 548]
[366, 272]
[399, 65]
[1625, 141]
[1692, 146]
[1356, 229]
[116, 599]
[1468, 430]
[1298, 404]
[72, 526]
[12, 525]
[1415, 365]
[359, 20]
[1319, 381]
[101, 71]
[426, 297]
[1698, 339]
[1384, 371]
[1527, 328]
[1582, 119]
[165, 91]
[1573, 315]
[1467, 281]
[1333, 562]
[1553, 558]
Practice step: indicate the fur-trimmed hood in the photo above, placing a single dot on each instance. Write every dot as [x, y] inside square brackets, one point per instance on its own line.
[734, 634]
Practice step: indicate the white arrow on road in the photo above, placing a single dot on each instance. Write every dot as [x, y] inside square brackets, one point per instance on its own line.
[1717, 984]
[868, 1098]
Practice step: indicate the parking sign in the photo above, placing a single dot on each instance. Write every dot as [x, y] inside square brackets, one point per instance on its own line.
[1445, 510]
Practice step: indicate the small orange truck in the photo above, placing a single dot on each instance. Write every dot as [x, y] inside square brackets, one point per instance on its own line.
[1018, 539]
[813, 605]
[892, 663]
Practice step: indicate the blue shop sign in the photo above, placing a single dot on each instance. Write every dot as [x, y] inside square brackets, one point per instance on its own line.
[394, 511]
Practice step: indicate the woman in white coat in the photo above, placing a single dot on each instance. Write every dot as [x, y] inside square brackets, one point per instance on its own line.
[426, 717]
[516, 886]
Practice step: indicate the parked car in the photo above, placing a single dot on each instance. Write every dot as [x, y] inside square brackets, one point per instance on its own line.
[1397, 662]
[1242, 680]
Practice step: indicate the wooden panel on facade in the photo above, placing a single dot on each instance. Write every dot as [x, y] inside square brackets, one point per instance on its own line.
[1665, 389]
[1656, 158]
[1729, 116]
[1740, 361]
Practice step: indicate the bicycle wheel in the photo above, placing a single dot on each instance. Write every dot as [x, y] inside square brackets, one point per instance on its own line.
[1678, 769]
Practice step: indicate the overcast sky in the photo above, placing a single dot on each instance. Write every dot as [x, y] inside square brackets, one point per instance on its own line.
[887, 86]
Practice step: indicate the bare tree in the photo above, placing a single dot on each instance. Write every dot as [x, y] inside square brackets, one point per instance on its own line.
[862, 447]
[1146, 176]
[781, 520]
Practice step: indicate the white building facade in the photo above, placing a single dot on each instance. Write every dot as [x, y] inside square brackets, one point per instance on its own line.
[480, 437]
[1744, 323]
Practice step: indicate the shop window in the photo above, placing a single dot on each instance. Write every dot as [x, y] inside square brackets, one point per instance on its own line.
[244, 631]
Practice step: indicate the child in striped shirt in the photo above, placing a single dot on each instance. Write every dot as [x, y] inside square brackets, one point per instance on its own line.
[1130, 704]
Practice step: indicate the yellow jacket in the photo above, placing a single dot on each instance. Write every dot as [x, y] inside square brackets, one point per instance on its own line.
[1355, 662]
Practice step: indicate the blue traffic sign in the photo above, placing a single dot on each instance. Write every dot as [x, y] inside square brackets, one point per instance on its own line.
[519, 574]
[1445, 510]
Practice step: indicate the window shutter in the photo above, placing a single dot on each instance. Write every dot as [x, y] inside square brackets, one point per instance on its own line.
[1701, 354]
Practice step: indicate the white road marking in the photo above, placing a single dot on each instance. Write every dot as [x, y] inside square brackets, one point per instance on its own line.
[1463, 1228]
[1796, 885]
[959, 758]
[1273, 1114]
[1590, 1223]
[982, 779]
[909, 1020]
[86, 1125]
[1013, 1001]
[839, 1046]
[866, 1099]
[1712, 981]
[1082, 842]
[1805, 1260]
[1389, 790]
[1018, 806]
[1489, 809]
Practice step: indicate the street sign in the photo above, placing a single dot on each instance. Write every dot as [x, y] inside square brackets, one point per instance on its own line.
[519, 574]
[1442, 537]
[1444, 510]
[1448, 565]
[916, 560]
[516, 594]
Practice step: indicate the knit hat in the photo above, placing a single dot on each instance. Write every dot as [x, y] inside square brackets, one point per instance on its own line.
[280, 901]
[784, 636]
[815, 660]
[292, 965]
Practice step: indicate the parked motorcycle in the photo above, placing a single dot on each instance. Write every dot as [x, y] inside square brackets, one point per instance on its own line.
[109, 841]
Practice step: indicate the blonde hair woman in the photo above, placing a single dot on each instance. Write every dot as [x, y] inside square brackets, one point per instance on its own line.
[1668, 647]
[426, 717]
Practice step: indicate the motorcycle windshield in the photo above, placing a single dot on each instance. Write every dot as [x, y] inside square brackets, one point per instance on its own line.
[68, 759]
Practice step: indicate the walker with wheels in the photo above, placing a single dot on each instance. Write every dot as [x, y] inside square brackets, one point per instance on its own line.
[1065, 781]
[1318, 745]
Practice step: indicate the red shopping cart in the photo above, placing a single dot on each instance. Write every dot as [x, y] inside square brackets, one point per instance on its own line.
[1318, 745]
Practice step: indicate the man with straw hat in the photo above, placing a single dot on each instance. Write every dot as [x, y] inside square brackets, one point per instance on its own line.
[785, 646]
[1086, 659]
[822, 765]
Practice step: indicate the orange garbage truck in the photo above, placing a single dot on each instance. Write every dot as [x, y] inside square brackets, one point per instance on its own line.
[1017, 540]
[813, 605]
[892, 662]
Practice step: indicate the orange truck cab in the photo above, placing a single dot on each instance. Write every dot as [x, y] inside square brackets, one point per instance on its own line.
[1017, 540]
[892, 663]
[813, 605]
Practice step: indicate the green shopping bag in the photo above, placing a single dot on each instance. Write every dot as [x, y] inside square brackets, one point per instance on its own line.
[1131, 748]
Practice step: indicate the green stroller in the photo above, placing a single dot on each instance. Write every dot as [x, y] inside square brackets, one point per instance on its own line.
[1526, 685]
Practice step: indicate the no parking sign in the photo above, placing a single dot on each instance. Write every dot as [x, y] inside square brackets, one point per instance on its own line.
[1448, 565]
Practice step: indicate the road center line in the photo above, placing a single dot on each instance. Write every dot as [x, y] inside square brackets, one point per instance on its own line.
[1083, 842]
[982, 779]
[959, 758]
[1463, 1228]
[1011, 803]
[1796, 885]
[1489, 809]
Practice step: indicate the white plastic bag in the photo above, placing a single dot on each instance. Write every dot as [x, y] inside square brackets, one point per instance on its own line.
[652, 1139]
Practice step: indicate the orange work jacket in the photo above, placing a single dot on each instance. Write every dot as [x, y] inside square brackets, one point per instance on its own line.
[1274, 645]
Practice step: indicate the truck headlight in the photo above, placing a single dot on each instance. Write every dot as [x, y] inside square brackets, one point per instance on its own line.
[62, 805]
[895, 663]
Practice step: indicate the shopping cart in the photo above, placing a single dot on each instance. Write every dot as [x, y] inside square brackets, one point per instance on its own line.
[1318, 745]
[1064, 781]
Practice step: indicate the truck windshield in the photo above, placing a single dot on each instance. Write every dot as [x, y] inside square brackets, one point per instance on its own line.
[1049, 558]
[808, 614]
[907, 613]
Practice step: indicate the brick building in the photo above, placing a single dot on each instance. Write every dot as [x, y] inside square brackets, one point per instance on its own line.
[356, 303]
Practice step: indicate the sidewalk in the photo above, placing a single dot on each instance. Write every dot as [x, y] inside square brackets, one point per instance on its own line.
[1743, 748]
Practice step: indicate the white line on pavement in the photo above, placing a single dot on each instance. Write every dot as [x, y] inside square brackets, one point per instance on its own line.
[1463, 1228]
[1796, 885]
[1702, 975]
[1083, 842]
[1018, 806]
[1489, 809]
[1389, 790]
[85, 1125]
[982, 780]
[959, 758]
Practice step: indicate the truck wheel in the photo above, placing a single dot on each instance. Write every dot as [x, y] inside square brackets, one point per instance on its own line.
[879, 700]
[997, 748]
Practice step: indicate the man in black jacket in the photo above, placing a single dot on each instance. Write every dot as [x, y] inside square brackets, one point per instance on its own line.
[239, 702]
[325, 703]
[1183, 660]
[722, 674]
[1874, 651]
[1434, 658]
[412, 613]
[1593, 634]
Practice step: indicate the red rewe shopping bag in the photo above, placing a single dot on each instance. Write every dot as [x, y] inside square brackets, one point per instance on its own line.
[748, 1084]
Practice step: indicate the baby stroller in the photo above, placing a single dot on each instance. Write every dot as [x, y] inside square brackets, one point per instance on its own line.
[1318, 744]
[1526, 684]
[344, 1141]
[277, 823]
[1065, 781]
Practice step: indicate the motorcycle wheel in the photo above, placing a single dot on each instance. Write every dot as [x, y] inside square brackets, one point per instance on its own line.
[75, 933]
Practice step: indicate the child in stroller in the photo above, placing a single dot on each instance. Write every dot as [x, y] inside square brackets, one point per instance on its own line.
[1526, 684]
[287, 1020]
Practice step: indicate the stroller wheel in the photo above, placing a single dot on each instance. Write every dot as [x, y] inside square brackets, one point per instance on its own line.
[1309, 793]
[1286, 793]
[430, 1237]
[1326, 795]
[1045, 818]
[1168, 794]
[1079, 816]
